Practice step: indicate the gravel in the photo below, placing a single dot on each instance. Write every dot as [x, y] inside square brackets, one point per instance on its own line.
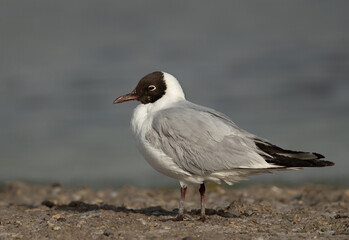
[255, 212]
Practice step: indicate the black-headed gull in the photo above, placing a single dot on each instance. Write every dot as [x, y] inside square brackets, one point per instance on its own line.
[196, 144]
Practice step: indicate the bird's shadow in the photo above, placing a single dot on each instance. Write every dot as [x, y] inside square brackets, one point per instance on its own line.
[80, 206]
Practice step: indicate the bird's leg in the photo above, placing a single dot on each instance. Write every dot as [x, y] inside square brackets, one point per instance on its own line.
[202, 194]
[180, 216]
[181, 203]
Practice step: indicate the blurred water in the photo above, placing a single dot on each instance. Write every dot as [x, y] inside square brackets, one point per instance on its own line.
[279, 69]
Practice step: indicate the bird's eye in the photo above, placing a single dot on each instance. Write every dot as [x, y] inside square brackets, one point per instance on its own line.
[151, 87]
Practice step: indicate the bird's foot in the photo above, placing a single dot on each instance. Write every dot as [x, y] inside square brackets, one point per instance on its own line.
[202, 219]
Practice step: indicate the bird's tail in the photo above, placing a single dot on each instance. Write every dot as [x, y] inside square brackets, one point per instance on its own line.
[288, 158]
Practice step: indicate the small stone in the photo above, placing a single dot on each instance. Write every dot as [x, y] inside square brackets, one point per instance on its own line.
[108, 233]
[56, 216]
[142, 221]
[296, 218]
[17, 236]
[275, 189]
[18, 223]
[56, 228]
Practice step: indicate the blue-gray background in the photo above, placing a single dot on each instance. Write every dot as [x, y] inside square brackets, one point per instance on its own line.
[279, 69]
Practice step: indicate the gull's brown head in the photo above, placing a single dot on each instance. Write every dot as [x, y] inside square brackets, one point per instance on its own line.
[149, 89]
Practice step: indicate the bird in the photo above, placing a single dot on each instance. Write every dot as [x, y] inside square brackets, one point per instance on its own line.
[196, 144]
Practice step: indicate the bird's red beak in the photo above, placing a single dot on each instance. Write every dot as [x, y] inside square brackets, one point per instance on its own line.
[128, 97]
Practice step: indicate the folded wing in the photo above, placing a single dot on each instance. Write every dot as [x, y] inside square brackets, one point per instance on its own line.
[201, 140]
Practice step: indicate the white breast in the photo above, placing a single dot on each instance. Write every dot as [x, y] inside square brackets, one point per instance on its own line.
[141, 123]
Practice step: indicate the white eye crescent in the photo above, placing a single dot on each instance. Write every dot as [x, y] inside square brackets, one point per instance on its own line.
[151, 87]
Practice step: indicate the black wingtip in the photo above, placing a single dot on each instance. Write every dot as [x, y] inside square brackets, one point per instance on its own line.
[318, 155]
[288, 158]
[323, 163]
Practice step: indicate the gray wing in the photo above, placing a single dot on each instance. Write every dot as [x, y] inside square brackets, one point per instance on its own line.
[201, 140]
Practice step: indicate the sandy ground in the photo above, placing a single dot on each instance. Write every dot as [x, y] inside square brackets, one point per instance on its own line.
[256, 212]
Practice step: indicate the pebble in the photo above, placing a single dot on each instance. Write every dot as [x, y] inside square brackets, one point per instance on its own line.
[56, 228]
[142, 221]
[17, 236]
[108, 233]
[56, 216]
